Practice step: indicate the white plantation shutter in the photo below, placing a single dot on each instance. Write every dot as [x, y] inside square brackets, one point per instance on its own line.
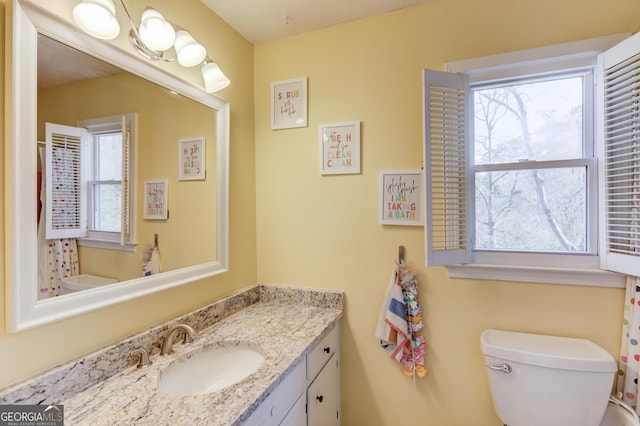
[126, 190]
[620, 151]
[446, 110]
[66, 215]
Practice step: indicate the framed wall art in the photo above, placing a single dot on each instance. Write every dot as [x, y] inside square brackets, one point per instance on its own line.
[340, 148]
[155, 199]
[191, 157]
[289, 103]
[400, 200]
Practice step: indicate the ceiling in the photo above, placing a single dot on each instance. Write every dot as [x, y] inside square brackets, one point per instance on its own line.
[59, 64]
[260, 21]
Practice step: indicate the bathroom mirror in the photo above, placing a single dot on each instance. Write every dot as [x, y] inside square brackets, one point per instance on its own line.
[32, 22]
[80, 91]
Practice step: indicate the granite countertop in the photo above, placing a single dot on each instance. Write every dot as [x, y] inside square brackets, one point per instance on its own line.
[285, 324]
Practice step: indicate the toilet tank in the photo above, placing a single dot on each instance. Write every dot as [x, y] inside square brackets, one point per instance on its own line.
[547, 380]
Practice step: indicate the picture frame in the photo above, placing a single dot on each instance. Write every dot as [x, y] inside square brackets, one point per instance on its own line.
[401, 198]
[191, 159]
[155, 199]
[340, 148]
[289, 103]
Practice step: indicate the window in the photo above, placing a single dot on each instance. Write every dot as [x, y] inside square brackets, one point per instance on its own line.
[109, 182]
[533, 171]
[512, 176]
[105, 181]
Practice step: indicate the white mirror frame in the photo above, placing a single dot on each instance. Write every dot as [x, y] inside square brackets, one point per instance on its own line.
[24, 311]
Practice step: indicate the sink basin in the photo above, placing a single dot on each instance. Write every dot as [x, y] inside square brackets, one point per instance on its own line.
[210, 370]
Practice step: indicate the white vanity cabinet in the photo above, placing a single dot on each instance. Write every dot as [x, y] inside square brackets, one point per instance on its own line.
[310, 394]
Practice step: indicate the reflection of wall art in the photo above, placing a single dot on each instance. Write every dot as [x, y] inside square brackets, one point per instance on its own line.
[289, 103]
[191, 158]
[155, 199]
[340, 148]
[400, 201]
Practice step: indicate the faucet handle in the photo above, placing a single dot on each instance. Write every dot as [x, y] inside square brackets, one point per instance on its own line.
[144, 357]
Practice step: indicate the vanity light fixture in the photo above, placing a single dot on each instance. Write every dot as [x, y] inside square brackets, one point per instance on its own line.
[156, 39]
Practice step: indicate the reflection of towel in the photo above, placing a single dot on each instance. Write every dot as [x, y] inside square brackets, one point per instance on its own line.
[392, 325]
[151, 263]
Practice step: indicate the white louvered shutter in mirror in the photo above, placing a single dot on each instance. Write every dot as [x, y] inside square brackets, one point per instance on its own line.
[126, 181]
[619, 145]
[65, 175]
[446, 111]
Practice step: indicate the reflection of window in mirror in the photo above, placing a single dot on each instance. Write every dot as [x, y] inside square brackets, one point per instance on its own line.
[109, 185]
[65, 172]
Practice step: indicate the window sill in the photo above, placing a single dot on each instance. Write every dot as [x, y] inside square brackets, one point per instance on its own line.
[588, 277]
[106, 244]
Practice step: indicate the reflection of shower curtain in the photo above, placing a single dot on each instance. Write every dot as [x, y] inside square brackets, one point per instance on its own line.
[629, 365]
[56, 258]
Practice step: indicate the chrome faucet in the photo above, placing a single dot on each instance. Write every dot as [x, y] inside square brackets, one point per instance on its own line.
[167, 344]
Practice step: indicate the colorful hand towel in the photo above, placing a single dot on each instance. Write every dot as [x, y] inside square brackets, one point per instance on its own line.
[400, 321]
[392, 325]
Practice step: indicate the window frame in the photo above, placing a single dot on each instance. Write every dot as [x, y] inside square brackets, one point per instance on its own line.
[105, 239]
[560, 268]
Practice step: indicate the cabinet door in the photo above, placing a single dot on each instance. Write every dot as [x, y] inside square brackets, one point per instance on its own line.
[274, 408]
[297, 416]
[322, 396]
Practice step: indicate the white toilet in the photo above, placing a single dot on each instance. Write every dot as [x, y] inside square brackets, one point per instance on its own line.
[83, 282]
[541, 380]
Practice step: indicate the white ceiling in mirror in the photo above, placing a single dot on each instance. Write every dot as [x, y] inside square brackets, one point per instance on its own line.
[23, 310]
[58, 65]
[262, 21]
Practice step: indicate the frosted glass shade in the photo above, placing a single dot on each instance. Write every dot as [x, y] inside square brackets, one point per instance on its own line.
[214, 78]
[97, 18]
[190, 52]
[156, 33]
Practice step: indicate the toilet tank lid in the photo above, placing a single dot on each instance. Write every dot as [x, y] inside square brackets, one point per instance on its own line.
[85, 281]
[547, 351]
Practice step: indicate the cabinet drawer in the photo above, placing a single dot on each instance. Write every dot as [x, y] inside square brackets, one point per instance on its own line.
[277, 405]
[321, 353]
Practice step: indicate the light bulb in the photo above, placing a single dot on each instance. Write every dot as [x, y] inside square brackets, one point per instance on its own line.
[190, 52]
[156, 33]
[97, 18]
[214, 78]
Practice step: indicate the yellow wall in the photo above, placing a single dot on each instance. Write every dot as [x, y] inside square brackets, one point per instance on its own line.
[33, 351]
[322, 231]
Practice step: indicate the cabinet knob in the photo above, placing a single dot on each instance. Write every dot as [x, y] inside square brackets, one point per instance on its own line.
[320, 398]
[327, 349]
